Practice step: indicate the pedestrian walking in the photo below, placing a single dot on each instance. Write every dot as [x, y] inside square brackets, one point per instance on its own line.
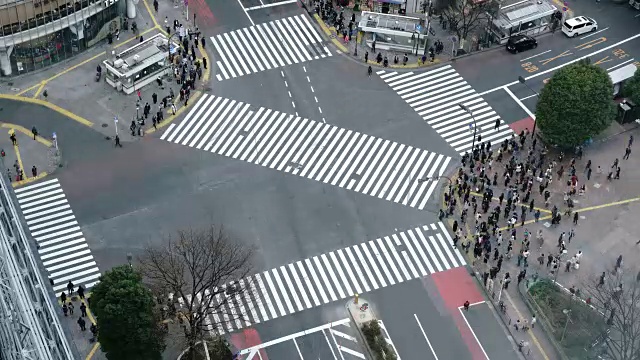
[34, 171]
[533, 321]
[369, 71]
[202, 43]
[575, 218]
[70, 307]
[83, 310]
[81, 292]
[82, 324]
[154, 97]
[70, 287]
[627, 152]
[630, 141]
[497, 125]
[617, 176]
[63, 297]
[34, 131]
[14, 140]
[204, 59]
[589, 174]
[466, 305]
[118, 141]
[155, 5]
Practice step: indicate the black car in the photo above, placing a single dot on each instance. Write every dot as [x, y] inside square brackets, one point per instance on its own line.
[519, 43]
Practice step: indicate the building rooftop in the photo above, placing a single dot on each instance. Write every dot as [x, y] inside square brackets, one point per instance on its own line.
[388, 21]
[523, 11]
[140, 56]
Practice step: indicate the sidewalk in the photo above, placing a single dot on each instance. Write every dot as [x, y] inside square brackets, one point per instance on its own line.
[72, 90]
[28, 155]
[601, 236]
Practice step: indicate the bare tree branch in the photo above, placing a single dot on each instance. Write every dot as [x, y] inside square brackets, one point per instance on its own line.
[201, 268]
[617, 299]
[465, 16]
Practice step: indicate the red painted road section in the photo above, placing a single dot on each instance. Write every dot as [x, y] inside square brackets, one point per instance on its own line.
[247, 339]
[518, 126]
[455, 287]
[204, 16]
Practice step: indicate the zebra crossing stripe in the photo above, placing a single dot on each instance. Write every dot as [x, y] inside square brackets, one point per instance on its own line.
[62, 246]
[436, 94]
[322, 152]
[301, 285]
[270, 45]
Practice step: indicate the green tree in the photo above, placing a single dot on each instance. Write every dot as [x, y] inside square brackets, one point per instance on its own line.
[129, 327]
[575, 105]
[631, 88]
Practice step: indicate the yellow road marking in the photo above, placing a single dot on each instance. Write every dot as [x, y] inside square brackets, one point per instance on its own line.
[28, 89]
[42, 84]
[603, 60]
[93, 351]
[531, 334]
[27, 132]
[49, 105]
[170, 119]
[323, 26]
[520, 203]
[591, 43]
[41, 175]
[564, 53]
[153, 18]
[596, 207]
[15, 148]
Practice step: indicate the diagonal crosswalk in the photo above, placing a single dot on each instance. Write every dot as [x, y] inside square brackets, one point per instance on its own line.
[348, 159]
[61, 245]
[335, 275]
[270, 45]
[436, 94]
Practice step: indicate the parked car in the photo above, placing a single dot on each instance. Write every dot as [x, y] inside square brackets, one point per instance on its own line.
[518, 43]
[578, 26]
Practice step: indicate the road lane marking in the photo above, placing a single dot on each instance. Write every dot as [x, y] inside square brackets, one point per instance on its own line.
[246, 13]
[563, 65]
[531, 57]
[329, 343]
[425, 337]
[615, 66]
[473, 333]
[590, 35]
[264, 6]
[563, 54]
[513, 96]
[592, 43]
[528, 97]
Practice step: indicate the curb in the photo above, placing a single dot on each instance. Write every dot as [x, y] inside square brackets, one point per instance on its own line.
[359, 331]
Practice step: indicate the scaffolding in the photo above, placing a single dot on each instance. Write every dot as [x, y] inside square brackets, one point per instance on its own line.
[29, 325]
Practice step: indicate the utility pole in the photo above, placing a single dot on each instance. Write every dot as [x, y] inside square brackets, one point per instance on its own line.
[427, 18]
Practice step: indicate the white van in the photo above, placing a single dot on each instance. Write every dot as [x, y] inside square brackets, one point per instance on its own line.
[578, 26]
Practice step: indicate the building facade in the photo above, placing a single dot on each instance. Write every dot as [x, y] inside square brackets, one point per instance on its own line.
[29, 325]
[37, 33]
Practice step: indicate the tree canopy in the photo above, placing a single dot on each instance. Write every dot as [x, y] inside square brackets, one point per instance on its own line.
[631, 88]
[128, 325]
[575, 105]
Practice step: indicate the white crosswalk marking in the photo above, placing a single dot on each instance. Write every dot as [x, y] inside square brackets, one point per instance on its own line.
[311, 149]
[278, 43]
[349, 270]
[62, 247]
[436, 96]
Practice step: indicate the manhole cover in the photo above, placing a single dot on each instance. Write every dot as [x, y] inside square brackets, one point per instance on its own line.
[105, 125]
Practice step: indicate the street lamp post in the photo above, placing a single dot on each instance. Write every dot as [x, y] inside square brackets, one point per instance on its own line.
[504, 277]
[129, 259]
[475, 127]
[524, 82]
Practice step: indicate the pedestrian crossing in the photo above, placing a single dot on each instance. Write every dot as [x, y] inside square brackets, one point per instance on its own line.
[330, 277]
[270, 45]
[62, 247]
[348, 159]
[436, 94]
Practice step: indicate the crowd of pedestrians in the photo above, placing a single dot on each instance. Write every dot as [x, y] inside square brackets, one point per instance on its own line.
[499, 191]
[66, 299]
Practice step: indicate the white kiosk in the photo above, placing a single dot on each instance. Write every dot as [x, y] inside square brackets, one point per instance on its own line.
[139, 65]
